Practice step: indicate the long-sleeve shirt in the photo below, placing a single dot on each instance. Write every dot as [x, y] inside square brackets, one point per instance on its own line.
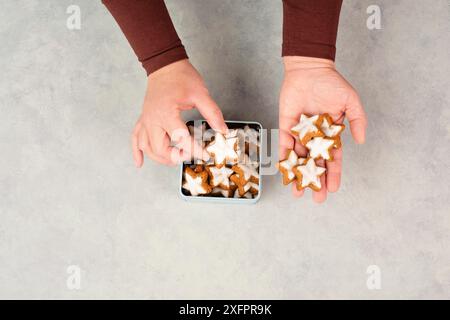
[309, 29]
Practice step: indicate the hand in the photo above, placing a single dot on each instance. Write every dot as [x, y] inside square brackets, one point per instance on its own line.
[313, 86]
[171, 90]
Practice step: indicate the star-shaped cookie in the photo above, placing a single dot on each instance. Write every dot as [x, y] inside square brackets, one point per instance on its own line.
[254, 188]
[250, 161]
[223, 150]
[251, 138]
[246, 173]
[286, 166]
[242, 188]
[197, 168]
[208, 135]
[308, 175]
[232, 133]
[320, 148]
[246, 195]
[307, 128]
[330, 129]
[196, 182]
[224, 193]
[219, 177]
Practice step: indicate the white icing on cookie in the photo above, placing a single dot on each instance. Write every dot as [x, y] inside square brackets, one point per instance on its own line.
[311, 174]
[245, 159]
[223, 192]
[194, 185]
[251, 135]
[223, 149]
[320, 147]
[248, 171]
[306, 125]
[232, 133]
[208, 135]
[242, 185]
[246, 195]
[330, 130]
[292, 161]
[253, 186]
[239, 134]
[220, 176]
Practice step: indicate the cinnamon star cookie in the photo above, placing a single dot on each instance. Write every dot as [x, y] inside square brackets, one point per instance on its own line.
[246, 173]
[308, 175]
[196, 182]
[307, 128]
[286, 166]
[320, 148]
[223, 150]
[330, 129]
[219, 177]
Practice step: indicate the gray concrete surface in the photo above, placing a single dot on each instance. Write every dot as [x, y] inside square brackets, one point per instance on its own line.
[70, 195]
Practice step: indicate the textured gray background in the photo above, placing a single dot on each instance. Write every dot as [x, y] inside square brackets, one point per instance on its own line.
[70, 194]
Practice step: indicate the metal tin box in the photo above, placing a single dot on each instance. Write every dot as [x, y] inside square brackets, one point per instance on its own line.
[206, 198]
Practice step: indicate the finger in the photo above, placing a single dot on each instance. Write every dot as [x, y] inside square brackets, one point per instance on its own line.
[174, 154]
[179, 134]
[300, 149]
[211, 112]
[334, 170]
[137, 154]
[160, 146]
[190, 148]
[176, 128]
[297, 193]
[144, 146]
[357, 118]
[286, 140]
[159, 159]
[321, 196]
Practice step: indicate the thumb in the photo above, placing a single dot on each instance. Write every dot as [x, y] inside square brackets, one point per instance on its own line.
[356, 117]
[211, 112]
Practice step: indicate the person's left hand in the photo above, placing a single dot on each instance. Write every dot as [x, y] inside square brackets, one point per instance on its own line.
[313, 86]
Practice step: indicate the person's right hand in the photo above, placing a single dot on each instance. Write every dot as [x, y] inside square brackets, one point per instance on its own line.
[170, 90]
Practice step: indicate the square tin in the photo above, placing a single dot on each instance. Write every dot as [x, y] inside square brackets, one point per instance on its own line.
[232, 124]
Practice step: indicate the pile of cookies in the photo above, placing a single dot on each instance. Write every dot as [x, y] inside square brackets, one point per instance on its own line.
[233, 168]
[319, 135]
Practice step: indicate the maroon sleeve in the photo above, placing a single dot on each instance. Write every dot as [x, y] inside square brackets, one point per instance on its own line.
[310, 28]
[149, 30]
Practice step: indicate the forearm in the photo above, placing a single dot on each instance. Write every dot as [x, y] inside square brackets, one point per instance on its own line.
[148, 28]
[310, 28]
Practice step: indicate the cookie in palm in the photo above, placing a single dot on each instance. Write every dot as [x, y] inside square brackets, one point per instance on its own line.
[320, 135]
